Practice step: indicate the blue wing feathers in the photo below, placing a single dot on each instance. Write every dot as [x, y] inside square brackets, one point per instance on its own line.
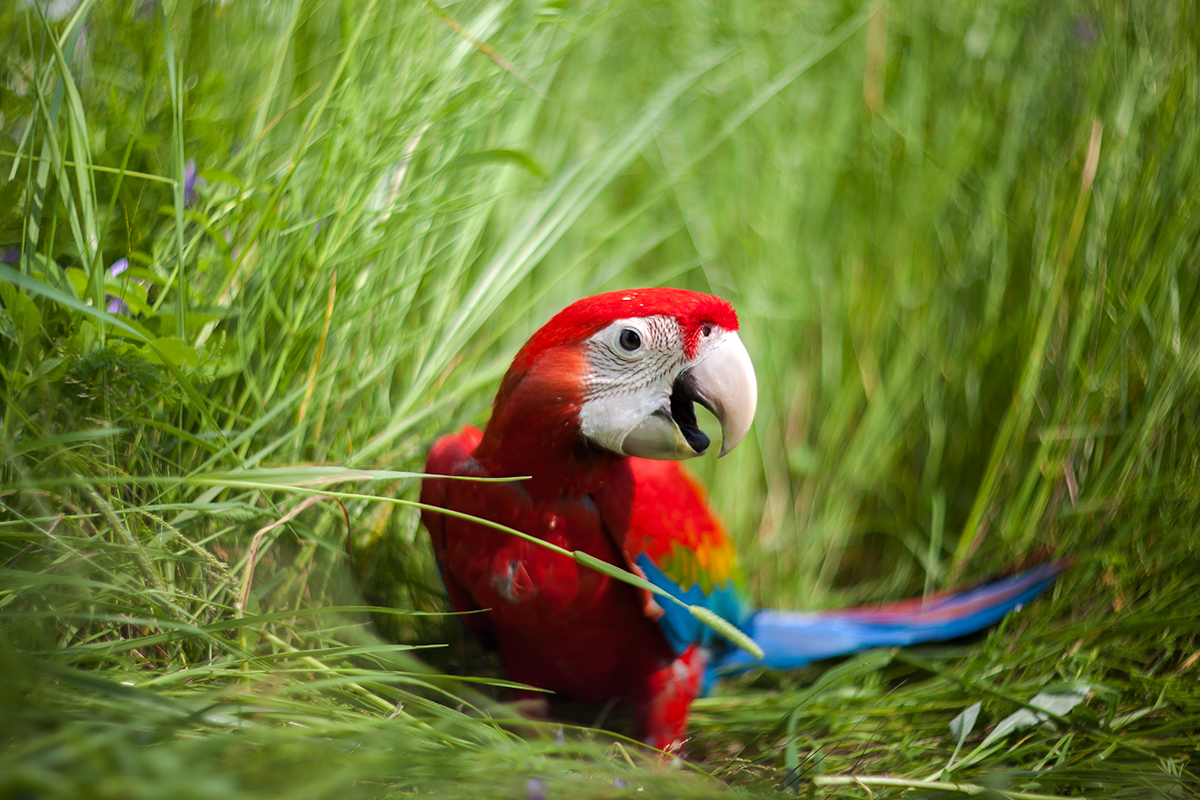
[681, 628]
[794, 639]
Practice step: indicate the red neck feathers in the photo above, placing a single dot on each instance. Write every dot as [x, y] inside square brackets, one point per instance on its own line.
[534, 429]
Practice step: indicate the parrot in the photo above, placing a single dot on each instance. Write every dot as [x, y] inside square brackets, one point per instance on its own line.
[583, 450]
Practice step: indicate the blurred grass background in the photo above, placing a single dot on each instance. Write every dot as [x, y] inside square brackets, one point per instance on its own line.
[962, 239]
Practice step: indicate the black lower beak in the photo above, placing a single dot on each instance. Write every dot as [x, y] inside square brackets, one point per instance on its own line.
[683, 411]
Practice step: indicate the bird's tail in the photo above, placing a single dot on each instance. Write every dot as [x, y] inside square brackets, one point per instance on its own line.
[791, 639]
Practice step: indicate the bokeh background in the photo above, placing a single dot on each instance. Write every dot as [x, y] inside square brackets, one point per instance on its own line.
[962, 240]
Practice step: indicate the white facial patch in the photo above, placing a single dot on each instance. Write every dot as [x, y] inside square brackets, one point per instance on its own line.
[633, 364]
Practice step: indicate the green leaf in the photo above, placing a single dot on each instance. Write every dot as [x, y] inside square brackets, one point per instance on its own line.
[962, 725]
[27, 319]
[726, 629]
[216, 175]
[143, 274]
[7, 329]
[130, 292]
[170, 349]
[195, 321]
[51, 369]
[613, 571]
[78, 281]
[1057, 703]
[300, 476]
[510, 156]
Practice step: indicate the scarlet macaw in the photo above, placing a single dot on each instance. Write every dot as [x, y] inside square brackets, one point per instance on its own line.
[597, 410]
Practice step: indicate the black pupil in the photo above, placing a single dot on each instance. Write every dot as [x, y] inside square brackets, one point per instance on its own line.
[630, 340]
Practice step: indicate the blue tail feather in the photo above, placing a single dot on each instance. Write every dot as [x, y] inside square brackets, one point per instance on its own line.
[793, 639]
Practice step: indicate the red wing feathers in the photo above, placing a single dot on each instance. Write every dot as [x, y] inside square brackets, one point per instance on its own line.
[449, 456]
[557, 624]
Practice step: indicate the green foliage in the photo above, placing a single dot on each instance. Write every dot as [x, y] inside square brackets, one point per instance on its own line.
[961, 238]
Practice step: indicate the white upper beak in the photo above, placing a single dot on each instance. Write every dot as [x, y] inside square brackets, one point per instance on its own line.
[726, 385]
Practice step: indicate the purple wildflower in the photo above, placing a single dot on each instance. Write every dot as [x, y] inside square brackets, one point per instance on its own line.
[535, 789]
[58, 9]
[1085, 30]
[114, 304]
[191, 182]
[10, 255]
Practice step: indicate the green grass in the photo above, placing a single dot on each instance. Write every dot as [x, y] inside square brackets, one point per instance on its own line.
[962, 239]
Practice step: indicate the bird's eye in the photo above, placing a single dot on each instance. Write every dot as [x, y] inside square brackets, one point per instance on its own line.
[630, 340]
[706, 330]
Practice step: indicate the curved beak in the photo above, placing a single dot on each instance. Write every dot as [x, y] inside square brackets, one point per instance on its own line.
[723, 382]
[725, 385]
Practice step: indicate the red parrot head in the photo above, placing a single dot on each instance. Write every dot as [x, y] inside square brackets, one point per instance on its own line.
[622, 371]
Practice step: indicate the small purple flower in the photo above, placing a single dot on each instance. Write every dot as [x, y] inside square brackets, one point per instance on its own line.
[535, 789]
[619, 784]
[1085, 30]
[191, 182]
[10, 255]
[114, 304]
[58, 9]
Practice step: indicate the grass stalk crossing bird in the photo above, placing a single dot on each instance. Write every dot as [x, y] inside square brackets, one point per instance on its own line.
[596, 412]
